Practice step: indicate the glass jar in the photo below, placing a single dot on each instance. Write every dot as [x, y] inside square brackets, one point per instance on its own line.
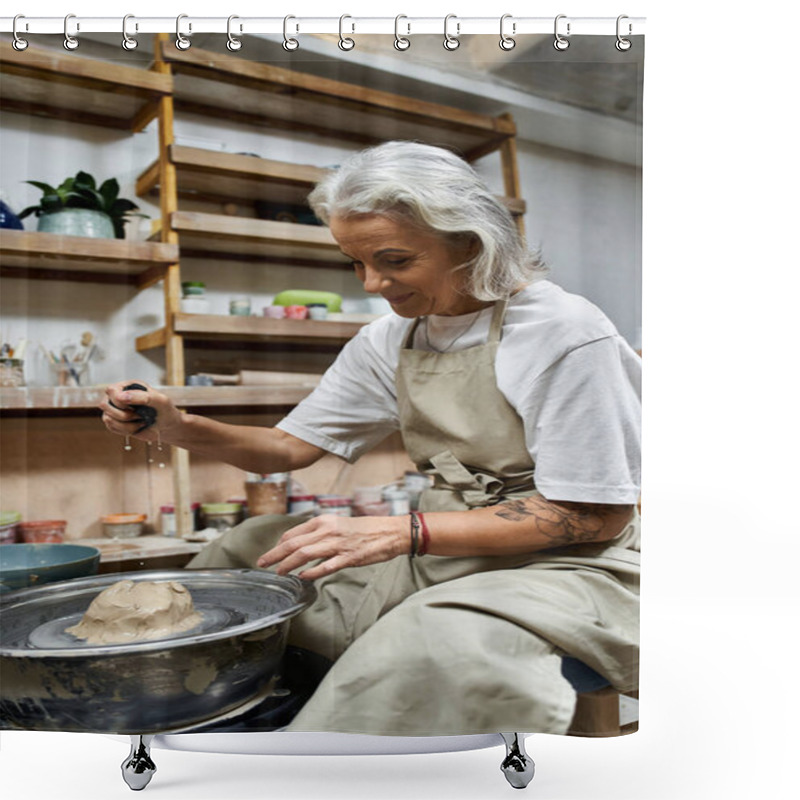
[334, 504]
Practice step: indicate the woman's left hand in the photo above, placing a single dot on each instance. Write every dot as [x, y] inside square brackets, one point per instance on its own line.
[338, 542]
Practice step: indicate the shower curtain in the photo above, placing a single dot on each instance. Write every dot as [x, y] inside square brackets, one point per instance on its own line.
[210, 153]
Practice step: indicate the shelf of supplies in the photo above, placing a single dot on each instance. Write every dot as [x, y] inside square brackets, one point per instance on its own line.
[256, 240]
[55, 399]
[49, 255]
[222, 327]
[212, 176]
[266, 95]
[45, 82]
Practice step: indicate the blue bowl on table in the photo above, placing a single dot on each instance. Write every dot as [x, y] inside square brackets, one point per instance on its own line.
[24, 565]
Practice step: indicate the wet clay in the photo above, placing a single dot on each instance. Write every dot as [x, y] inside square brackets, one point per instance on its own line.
[132, 611]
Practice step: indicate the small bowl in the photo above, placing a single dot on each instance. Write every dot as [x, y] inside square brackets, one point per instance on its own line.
[24, 565]
[274, 312]
[297, 312]
[123, 526]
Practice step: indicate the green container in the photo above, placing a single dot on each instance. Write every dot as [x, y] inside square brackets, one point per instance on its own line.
[306, 297]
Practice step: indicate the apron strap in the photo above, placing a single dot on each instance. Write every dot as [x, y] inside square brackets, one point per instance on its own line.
[495, 328]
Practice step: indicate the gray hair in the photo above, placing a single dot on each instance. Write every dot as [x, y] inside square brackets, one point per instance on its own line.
[438, 191]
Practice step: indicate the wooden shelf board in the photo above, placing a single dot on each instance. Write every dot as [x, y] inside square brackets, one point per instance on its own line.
[223, 327]
[279, 97]
[45, 82]
[56, 399]
[255, 238]
[217, 177]
[37, 252]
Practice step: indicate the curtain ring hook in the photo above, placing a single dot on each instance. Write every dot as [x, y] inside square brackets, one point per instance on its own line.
[451, 42]
[400, 42]
[233, 44]
[128, 41]
[560, 42]
[345, 43]
[289, 43]
[181, 42]
[19, 44]
[507, 42]
[70, 42]
[623, 44]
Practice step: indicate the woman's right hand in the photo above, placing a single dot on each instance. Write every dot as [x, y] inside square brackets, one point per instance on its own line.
[119, 418]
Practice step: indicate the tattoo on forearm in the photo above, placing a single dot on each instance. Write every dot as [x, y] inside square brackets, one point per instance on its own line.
[578, 523]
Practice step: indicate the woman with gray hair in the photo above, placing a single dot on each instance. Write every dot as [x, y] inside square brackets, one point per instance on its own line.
[519, 400]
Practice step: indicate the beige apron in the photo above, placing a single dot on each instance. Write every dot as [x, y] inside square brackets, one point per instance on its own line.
[448, 646]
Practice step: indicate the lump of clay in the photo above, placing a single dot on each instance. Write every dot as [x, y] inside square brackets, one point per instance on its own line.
[132, 611]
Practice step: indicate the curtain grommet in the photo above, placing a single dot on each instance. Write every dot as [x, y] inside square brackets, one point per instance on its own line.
[129, 42]
[345, 42]
[70, 42]
[507, 42]
[233, 44]
[181, 41]
[18, 43]
[622, 44]
[561, 43]
[401, 43]
[451, 42]
[289, 44]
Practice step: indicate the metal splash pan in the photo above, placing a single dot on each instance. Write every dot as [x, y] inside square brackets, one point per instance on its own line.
[49, 680]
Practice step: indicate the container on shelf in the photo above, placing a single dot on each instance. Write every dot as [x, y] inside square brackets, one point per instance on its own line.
[221, 516]
[415, 483]
[242, 501]
[74, 373]
[317, 311]
[368, 502]
[302, 503]
[9, 524]
[12, 372]
[268, 495]
[195, 304]
[169, 525]
[336, 504]
[193, 288]
[274, 312]
[397, 499]
[199, 380]
[240, 307]
[296, 312]
[43, 530]
[123, 526]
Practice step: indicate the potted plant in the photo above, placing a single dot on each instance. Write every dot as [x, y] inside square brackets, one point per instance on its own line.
[78, 208]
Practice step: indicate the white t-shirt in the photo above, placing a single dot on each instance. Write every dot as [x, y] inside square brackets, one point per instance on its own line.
[561, 364]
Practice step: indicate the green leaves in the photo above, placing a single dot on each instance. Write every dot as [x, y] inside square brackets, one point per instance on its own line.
[82, 192]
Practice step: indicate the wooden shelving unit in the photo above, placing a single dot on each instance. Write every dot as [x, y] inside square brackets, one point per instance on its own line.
[256, 94]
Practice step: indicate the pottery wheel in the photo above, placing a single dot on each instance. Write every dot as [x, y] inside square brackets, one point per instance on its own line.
[53, 635]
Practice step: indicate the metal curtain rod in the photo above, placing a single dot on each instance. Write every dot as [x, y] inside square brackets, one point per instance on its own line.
[407, 26]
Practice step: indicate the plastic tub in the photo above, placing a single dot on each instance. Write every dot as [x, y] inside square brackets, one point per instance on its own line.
[43, 530]
[221, 516]
[9, 522]
[123, 526]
